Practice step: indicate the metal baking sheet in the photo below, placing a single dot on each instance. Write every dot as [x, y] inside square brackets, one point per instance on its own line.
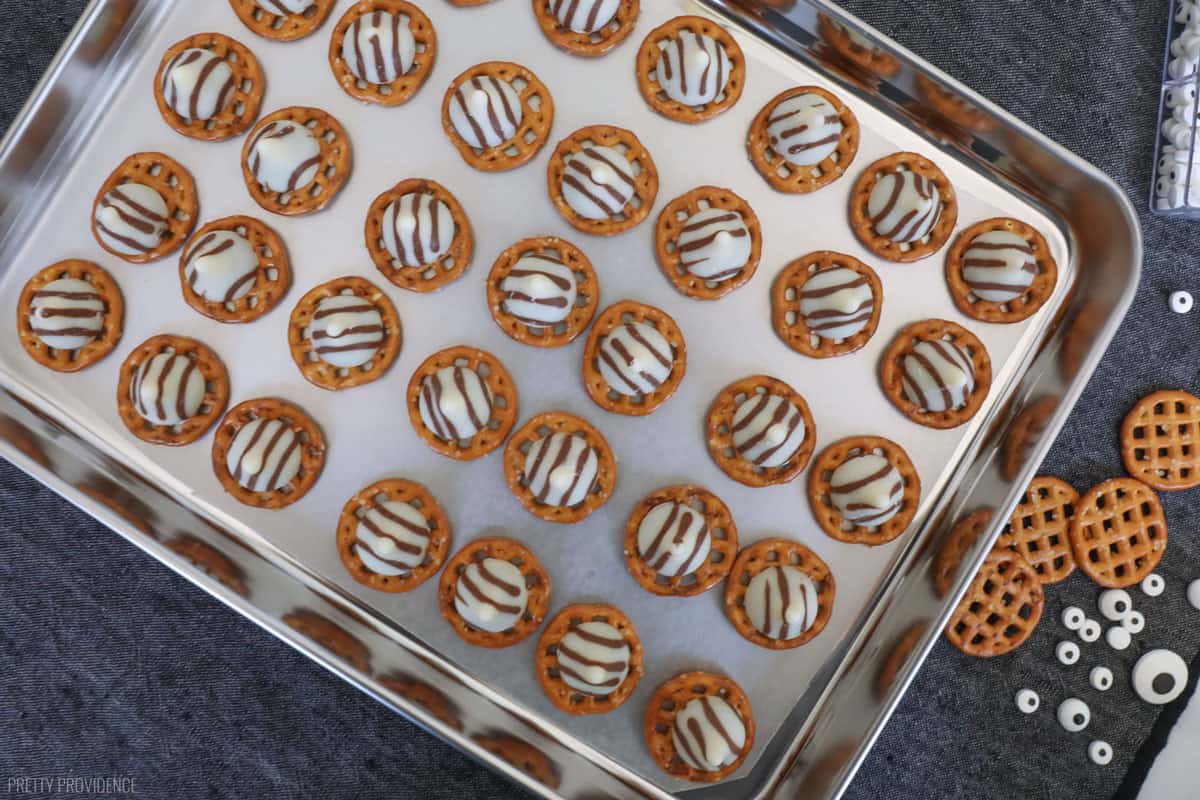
[368, 430]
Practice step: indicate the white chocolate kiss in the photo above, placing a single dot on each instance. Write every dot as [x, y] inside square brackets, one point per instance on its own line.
[584, 16]
[561, 469]
[867, 489]
[539, 291]
[392, 538]
[285, 157]
[836, 303]
[491, 595]
[486, 111]
[804, 129]
[347, 331]
[673, 539]
[598, 182]
[222, 267]
[264, 455]
[593, 658]
[692, 69]
[999, 266]
[379, 47]
[167, 389]
[635, 359]
[198, 84]
[938, 376]
[131, 219]
[781, 602]
[714, 244]
[455, 403]
[418, 229]
[66, 314]
[767, 430]
[703, 745]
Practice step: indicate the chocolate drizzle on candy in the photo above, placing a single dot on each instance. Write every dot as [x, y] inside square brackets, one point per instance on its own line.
[379, 47]
[418, 229]
[805, 129]
[673, 539]
[693, 69]
[598, 182]
[486, 111]
[66, 314]
[198, 84]
[284, 157]
[347, 331]
[708, 734]
[221, 266]
[455, 403]
[167, 389]
[903, 206]
[937, 375]
[131, 219]
[560, 469]
[539, 291]
[867, 489]
[392, 538]
[781, 602]
[999, 266]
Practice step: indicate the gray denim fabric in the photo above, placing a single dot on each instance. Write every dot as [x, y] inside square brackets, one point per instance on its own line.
[110, 665]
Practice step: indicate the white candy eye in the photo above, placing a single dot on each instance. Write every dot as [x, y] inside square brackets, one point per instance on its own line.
[1067, 652]
[1028, 701]
[1163, 186]
[1074, 714]
[1176, 173]
[1153, 584]
[1193, 594]
[1135, 622]
[1180, 96]
[1101, 678]
[1118, 638]
[1114, 604]
[1073, 617]
[1089, 631]
[1159, 677]
[1100, 753]
[1181, 303]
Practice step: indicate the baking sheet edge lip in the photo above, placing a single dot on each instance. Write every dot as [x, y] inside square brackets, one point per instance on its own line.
[57, 484]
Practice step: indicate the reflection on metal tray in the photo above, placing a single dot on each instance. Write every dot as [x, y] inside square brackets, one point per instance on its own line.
[820, 741]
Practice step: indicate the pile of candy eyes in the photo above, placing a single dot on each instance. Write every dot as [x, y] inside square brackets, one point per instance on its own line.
[1178, 175]
[1158, 677]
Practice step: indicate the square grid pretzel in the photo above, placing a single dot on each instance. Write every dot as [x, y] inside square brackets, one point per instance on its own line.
[1160, 440]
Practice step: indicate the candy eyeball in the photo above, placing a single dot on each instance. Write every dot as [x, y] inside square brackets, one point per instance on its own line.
[1181, 303]
[1159, 677]
[1180, 96]
[1153, 584]
[1134, 622]
[1177, 174]
[1067, 652]
[1114, 604]
[1181, 67]
[1028, 701]
[1183, 114]
[1186, 13]
[1100, 753]
[1089, 631]
[1101, 678]
[1073, 617]
[1118, 638]
[1193, 594]
[1074, 714]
